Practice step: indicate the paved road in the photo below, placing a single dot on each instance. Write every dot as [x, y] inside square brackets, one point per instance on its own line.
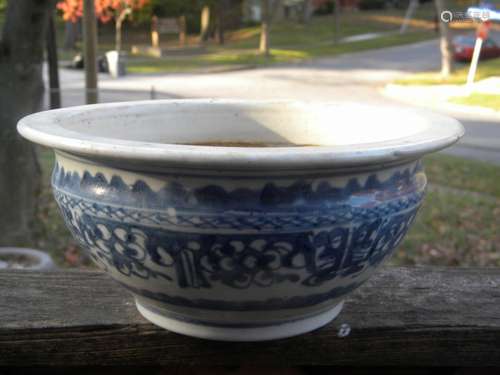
[354, 77]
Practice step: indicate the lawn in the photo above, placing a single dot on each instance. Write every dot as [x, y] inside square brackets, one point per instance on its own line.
[290, 41]
[228, 57]
[485, 69]
[477, 99]
[457, 225]
[459, 220]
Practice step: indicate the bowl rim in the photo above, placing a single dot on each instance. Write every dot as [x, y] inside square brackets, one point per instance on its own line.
[42, 128]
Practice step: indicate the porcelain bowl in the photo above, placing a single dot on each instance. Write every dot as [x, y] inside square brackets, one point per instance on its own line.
[239, 220]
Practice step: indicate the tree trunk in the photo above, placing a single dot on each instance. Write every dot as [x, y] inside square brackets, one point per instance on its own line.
[410, 11]
[90, 51]
[118, 35]
[267, 15]
[120, 18]
[338, 9]
[445, 41]
[21, 93]
[264, 28]
[221, 8]
[53, 65]
[70, 35]
[307, 11]
[205, 24]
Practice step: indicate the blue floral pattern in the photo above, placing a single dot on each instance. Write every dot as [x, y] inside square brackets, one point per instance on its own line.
[196, 238]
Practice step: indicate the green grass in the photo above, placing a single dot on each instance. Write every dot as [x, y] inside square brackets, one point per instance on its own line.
[319, 31]
[453, 230]
[485, 69]
[215, 58]
[456, 226]
[463, 174]
[459, 220]
[382, 42]
[230, 57]
[481, 100]
[290, 42]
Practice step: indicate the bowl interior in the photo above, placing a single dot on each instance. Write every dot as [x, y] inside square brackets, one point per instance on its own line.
[246, 134]
[240, 124]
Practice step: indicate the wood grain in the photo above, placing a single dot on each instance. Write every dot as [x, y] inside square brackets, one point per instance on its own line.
[402, 316]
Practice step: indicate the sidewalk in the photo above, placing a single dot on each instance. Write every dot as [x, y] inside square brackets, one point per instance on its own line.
[437, 97]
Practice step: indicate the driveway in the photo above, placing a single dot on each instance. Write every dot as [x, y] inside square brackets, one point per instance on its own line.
[354, 77]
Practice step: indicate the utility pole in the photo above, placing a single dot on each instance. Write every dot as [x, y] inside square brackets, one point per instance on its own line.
[90, 50]
[55, 92]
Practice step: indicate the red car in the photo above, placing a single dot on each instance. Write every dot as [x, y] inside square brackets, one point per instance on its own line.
[463, 48]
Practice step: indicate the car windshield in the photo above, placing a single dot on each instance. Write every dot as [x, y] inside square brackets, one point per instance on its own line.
[467, 40]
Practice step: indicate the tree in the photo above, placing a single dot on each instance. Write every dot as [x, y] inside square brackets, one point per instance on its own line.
[21, 92]
[71, 35]
[264, 27]
[337, 10]
[268, 10]
[220, 14]
[205, 23]
[307, 10]
[445, 40]
[105, 10]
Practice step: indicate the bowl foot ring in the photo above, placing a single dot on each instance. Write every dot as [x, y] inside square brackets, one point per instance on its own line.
[258, 333]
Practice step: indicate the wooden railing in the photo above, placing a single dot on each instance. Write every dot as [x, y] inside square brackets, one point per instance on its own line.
[402, 316]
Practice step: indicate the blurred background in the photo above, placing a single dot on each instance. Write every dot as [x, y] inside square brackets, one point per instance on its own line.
[399, 52]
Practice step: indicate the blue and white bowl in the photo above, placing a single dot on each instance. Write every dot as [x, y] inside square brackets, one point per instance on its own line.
[231, 242]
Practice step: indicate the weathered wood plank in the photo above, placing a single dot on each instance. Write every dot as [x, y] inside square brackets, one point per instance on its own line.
[403, 316]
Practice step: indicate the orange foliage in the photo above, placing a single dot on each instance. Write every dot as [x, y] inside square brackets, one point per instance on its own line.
[105, 10]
